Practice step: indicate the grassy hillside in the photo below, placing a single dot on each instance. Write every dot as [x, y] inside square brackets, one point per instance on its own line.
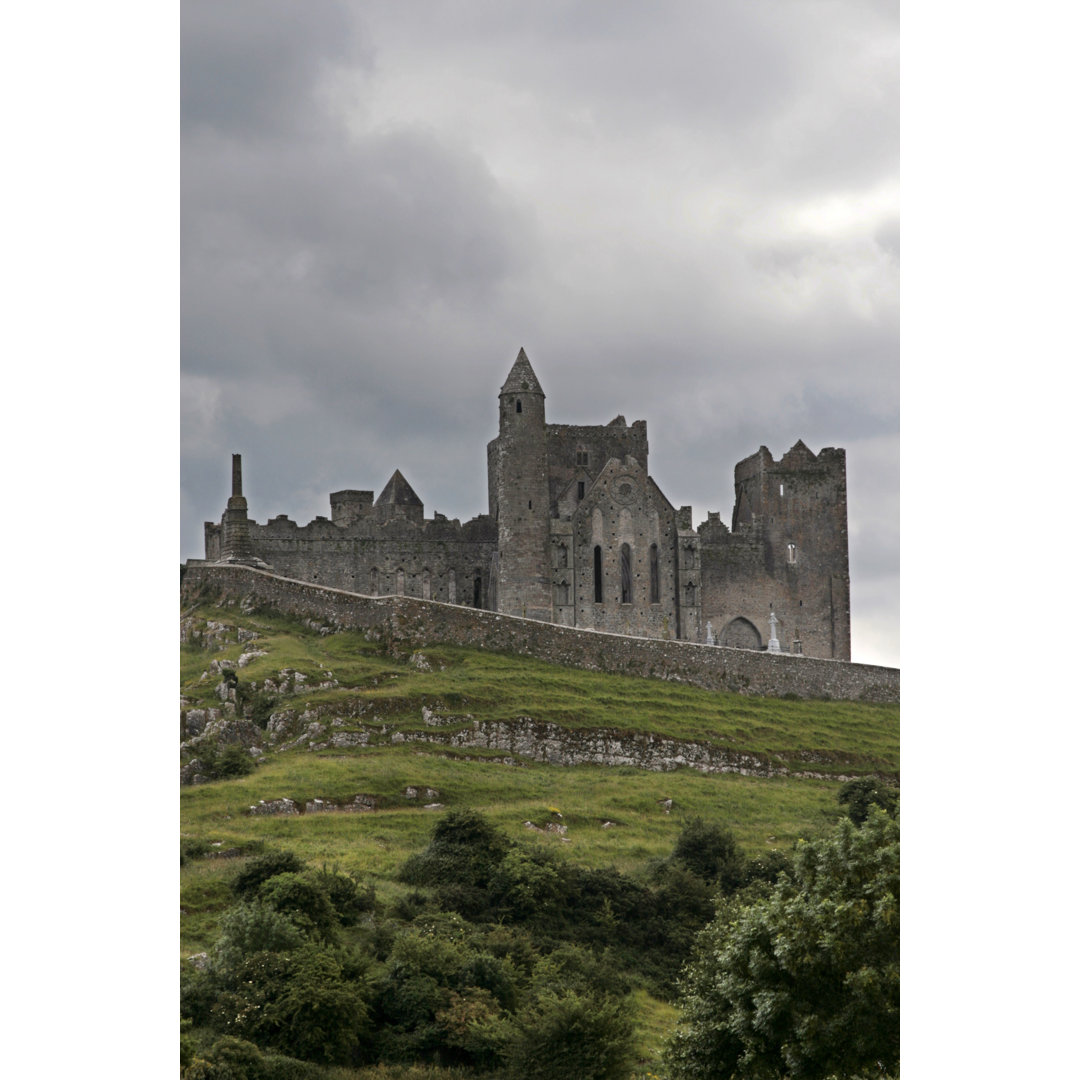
[622, 817]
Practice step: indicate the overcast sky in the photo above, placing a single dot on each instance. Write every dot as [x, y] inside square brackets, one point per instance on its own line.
[686, 213]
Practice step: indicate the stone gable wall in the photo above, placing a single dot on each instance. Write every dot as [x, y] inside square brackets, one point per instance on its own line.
[405, 624]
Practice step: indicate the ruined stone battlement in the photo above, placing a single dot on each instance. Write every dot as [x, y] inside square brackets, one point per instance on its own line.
[577, 533]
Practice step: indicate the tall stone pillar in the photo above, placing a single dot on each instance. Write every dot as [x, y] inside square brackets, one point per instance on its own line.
[519, 487]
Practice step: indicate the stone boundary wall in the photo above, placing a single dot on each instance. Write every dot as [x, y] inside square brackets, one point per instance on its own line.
[404, 624]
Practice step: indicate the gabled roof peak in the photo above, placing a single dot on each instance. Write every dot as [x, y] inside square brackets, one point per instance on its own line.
[522, 378]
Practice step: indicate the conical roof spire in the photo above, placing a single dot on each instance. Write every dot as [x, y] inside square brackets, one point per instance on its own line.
[398, 492]
[522, 378]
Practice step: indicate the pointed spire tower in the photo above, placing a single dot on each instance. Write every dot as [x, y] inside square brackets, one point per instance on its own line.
[518, 496]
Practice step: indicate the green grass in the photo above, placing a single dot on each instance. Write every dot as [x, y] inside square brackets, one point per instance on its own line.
[820, 736]
[842, 738]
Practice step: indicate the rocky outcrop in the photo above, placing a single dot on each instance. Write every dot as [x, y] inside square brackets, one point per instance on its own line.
[554, 745]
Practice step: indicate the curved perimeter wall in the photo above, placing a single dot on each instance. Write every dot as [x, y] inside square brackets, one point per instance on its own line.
[404, 624]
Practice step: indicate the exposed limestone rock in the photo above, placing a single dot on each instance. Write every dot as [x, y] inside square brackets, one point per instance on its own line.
[192, 772]
[275, 806]
[360, 803]
[247, 657]
[549, 743]
[350, 738]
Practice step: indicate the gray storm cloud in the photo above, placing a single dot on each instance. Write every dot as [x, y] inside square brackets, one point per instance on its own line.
[685, 215]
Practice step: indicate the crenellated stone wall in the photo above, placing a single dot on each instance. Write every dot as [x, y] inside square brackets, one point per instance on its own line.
[404, 624]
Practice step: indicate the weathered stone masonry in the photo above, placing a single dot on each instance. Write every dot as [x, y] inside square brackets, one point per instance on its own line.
[578, 533]
[405, 624]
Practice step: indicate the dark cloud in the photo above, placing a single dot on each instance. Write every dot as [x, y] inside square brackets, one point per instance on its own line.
[685, 216]
[252, 70]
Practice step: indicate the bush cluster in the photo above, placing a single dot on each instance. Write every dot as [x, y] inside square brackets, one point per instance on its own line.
[505, 958]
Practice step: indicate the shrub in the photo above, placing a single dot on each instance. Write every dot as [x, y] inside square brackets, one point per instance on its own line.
[250, 928]
[246, 883]
[304, 900]
[345, 894]
[225, 762]
[583, 1037]
[464, 849]
[298, 1002]
[193, 849]
[258, 705]
[710, 852]
[319, 1017]
[861, 795]
[235, 1059]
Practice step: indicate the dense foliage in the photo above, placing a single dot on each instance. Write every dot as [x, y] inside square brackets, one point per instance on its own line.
[805, 982]
[510, 960]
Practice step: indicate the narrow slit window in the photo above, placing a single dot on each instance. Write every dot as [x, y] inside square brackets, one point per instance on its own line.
[598, 581]
[791, 558]
[581, 489]
[517, 406]
[626, 582]
[654, 575]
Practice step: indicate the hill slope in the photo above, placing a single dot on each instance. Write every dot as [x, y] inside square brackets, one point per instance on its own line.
[359, 755]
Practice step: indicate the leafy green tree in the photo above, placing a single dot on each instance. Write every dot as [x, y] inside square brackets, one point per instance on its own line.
[805, 983]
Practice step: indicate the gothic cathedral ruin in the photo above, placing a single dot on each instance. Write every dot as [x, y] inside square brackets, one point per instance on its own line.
[578, 533]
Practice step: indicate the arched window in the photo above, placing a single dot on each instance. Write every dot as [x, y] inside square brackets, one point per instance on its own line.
[517, 407]
[791, 553]
[691, 594]
[476, 591]
[597, 573]
[654, 575]
[626, 583]
[562, 593]
[562, 555]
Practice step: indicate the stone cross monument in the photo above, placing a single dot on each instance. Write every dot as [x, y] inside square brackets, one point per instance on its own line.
[774, 641]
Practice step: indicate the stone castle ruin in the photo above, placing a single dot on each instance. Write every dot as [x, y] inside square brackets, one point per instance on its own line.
[577, 533]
